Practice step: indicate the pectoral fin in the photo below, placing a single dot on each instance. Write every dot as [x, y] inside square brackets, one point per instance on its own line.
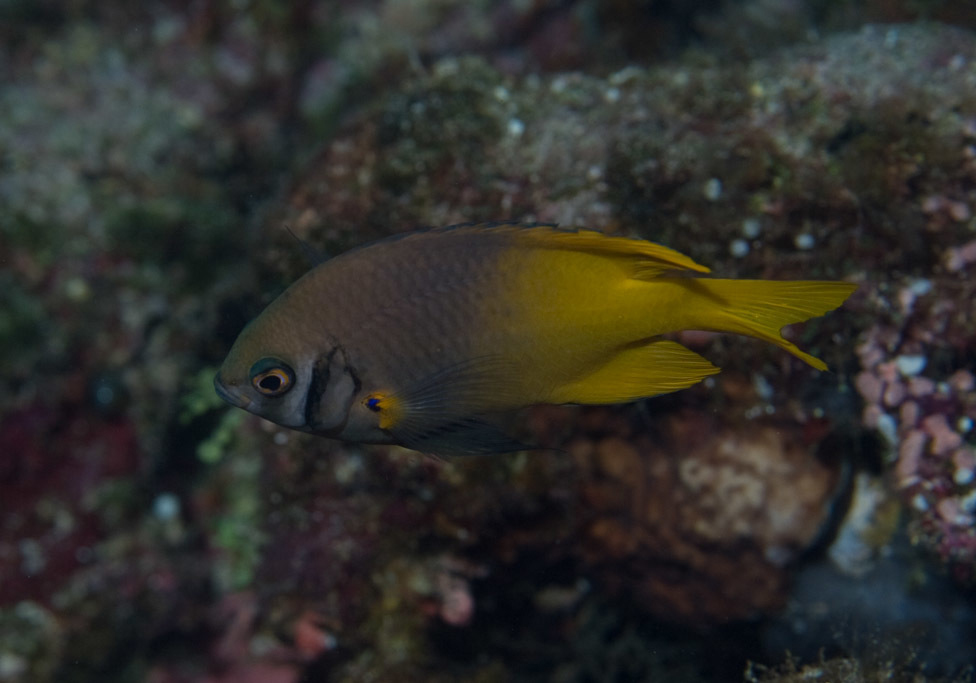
[657, 367]
[454, 411]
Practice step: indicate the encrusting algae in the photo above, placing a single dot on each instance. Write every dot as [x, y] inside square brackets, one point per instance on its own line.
[426, 340]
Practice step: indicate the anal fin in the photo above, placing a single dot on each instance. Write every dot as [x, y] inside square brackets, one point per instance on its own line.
[657, 367]
[472, 435]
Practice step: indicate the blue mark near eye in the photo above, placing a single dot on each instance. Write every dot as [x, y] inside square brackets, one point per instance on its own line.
[373, 404]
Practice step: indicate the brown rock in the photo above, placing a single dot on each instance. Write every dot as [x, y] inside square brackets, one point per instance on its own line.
[704, 524]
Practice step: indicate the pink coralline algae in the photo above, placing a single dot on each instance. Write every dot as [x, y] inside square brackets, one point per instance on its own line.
[456, 602]
[958, 258]
[442, 588]
[245, 654]
[928, 424]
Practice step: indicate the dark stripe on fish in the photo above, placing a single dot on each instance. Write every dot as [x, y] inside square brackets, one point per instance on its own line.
[316, 388]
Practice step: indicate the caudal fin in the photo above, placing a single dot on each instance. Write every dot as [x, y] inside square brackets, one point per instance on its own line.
[761, 308]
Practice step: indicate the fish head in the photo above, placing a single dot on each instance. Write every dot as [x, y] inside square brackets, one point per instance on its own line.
[268, 371]
[286, 367]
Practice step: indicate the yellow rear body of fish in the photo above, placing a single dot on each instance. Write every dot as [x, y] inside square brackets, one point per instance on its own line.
[426, 339]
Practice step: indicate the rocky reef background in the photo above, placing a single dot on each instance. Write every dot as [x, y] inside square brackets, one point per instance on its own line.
[773, 523]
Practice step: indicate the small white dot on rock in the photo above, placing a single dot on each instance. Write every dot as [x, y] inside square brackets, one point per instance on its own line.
[910, 365]
[921, 287]
[166, 506]
[104, 395]
[888, 428]
[739, 248]
[712, 189]
[77, 289]
[804, 241]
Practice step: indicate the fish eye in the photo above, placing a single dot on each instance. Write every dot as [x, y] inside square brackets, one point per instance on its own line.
[272, 377]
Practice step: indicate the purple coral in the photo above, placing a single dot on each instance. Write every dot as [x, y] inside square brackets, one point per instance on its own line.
[926, 421]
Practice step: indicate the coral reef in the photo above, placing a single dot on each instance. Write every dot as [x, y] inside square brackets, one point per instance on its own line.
[839, 669]
[782, 161]
[702, 522]
[152, 155]
[925, 422]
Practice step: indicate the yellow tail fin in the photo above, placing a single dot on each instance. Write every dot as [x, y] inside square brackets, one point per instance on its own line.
[761, 308]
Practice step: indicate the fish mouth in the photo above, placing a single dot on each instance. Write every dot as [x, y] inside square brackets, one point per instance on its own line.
[231, 397]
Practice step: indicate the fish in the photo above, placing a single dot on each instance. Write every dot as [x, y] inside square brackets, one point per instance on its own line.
[429, 339]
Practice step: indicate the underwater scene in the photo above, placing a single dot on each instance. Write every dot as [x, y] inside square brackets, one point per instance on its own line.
[571, 341]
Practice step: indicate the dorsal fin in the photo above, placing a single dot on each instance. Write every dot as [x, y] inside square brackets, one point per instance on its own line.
[647, 260]
[650, 259]
[311, 254]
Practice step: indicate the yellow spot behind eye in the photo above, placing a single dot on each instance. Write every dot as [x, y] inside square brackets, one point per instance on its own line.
[387, 406]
